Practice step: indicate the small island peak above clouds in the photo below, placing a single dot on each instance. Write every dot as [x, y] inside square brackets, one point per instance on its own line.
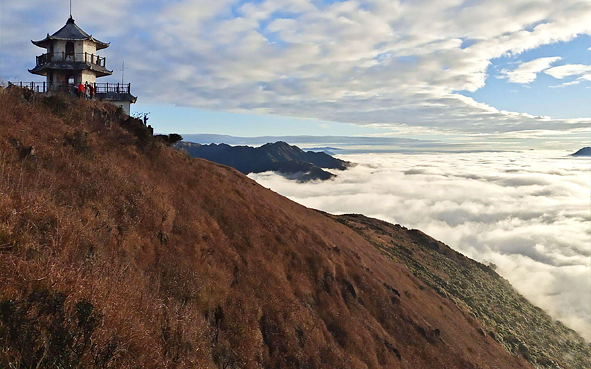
[585, 151]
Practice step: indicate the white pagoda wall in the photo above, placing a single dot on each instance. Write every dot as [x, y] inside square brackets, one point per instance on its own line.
[88, 76]
[88, 47]
[125, 105]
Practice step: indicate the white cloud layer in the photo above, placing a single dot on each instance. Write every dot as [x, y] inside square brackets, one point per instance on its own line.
[568, 70]
[527, 72]
[583, 72]
[389, 62]
[529, 213]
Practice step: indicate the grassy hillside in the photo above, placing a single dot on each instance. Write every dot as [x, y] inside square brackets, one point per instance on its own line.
[118, 251]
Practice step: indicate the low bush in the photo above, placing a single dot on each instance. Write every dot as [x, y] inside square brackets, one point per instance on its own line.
[58, 104]
[41, 331]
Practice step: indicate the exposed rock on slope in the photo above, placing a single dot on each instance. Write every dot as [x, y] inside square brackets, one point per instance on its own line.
[118, 251]
[287, 160]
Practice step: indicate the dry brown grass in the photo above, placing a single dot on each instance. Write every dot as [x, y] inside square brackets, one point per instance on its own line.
[191, 264]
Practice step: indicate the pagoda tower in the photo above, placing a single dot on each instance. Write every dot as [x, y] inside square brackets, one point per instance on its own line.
[71, 58]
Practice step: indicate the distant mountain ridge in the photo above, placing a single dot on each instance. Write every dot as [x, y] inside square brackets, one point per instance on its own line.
[327, 150]
[585, 151]
[287, 160]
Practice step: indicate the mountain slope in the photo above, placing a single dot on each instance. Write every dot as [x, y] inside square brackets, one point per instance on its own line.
[118, 251]
[280, 157]
[521, 327]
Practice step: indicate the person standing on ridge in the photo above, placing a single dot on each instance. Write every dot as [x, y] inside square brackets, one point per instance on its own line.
[81, 90]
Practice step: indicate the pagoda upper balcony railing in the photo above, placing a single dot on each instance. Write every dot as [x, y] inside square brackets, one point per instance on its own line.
[99, 88]
[71, 58]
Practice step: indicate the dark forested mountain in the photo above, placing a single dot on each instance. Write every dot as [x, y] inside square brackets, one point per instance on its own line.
[287, 160]
[585, 151]
[117, 251]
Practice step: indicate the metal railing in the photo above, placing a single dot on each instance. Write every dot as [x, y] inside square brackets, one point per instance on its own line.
[71, 58]
[35, 86]
[119, 88]
[99, 88]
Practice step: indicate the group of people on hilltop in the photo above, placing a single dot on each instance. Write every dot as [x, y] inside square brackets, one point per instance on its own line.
[85, 91]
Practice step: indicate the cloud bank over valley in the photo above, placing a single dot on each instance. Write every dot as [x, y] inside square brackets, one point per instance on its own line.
[526, 212]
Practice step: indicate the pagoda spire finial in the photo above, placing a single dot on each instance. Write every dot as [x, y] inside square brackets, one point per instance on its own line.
[70, 8]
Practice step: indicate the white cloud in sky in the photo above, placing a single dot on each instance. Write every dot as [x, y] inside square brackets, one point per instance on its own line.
[570, 70]
[565, 84]
[583, 72]
[395, 63]
[528, 72]
[526, 212]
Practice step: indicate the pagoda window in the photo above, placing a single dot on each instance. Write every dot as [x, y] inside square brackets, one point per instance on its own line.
[70, 49]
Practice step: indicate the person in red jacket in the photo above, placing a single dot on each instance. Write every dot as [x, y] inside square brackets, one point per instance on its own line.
[81, 90]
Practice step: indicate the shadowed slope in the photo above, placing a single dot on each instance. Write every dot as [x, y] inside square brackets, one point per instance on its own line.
[118, 251]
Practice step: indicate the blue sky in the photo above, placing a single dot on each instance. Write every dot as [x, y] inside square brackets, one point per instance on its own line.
[171, 118]
[456, 71]
[540, 97]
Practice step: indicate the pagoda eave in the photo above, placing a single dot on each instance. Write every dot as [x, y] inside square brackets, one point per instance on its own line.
[100, 71]
[44, 44]
[115, 97]
[38, 71]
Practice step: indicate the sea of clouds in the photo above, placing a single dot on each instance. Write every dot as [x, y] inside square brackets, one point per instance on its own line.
[527, 212]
